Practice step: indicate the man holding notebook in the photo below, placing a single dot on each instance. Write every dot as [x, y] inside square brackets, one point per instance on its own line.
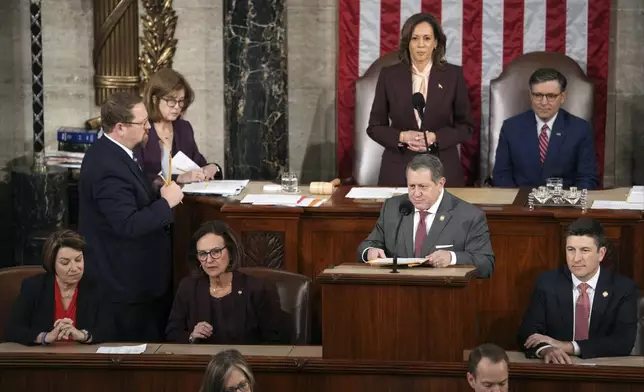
[125, 222]
[437, 226]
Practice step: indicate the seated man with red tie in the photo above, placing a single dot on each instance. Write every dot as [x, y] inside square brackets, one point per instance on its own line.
[580, 308]
[436, 225]
[546, 141]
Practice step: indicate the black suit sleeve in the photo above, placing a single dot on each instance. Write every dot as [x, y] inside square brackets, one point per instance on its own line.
[271, 319]
[620, 342]
[105, 329]
[115, 198]
[177, 330]
[20, 328]
[379, 129]
[376, 238]
[534, 319]
[462, 127]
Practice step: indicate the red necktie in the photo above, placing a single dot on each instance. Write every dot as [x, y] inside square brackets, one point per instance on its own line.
[582, 313]
[543, 143]
[421, 234]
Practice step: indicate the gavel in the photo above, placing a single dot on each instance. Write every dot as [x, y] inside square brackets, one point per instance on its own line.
[323, 188]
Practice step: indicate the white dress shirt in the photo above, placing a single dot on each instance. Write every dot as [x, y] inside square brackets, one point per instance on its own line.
[550, 123]
[127, 150]
[429, 220]
[576, 292]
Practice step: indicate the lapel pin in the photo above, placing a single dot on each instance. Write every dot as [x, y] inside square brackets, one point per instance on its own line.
[605, 294]
[558, 134]
[442, 218]
[440, 85]
[239, 292]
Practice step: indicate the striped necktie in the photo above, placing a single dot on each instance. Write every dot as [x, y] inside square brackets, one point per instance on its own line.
[543, 143]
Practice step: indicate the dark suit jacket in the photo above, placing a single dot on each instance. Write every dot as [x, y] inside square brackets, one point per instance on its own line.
[613, 318]
[33, 310]
[464, 227]
[257, 311]
[571, 153]
[447, 113]
[183, 140]
[124, 223]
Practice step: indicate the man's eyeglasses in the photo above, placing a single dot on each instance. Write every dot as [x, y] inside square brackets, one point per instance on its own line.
[550, 97]
[243, 386]
[215, 253]
[143, 123]
[173, 102]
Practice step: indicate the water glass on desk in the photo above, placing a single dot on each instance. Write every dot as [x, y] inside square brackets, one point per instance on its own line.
[289, 182]
[554, 184]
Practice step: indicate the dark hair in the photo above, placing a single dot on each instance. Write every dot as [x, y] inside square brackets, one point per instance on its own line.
[546, 75]
[438, 56]
[492, 352]
[63, 238]
[588, 227]
[164, 82]
[219, 370]
[117, 108]
[220, 228]
[428, 162]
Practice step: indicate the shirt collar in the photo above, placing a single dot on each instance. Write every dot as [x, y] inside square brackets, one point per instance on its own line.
[434, 209]
[127, 150]
[592, 282]
[550, 122]
[425, 72]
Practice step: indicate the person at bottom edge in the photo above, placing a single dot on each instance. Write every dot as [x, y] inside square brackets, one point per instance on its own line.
[581, 309]
[218, 304]
[487, 369]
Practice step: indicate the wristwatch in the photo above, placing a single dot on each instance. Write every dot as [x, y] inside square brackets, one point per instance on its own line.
[191, 339]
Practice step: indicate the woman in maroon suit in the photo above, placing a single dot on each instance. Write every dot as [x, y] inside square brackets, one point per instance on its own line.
[220, 305]
[395, 124]
[167, 96]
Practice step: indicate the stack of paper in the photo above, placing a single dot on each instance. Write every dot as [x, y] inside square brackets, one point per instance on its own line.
[616, 205]
[64, 158]
[282, 200]
[181, 163]
[636, 195]
[374, 193]
[219, 187]
[123, 349]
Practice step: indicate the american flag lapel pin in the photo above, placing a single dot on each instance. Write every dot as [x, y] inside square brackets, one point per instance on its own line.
[440, 85]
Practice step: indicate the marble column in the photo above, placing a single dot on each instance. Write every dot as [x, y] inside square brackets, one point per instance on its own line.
[39, 208]
[255, 89]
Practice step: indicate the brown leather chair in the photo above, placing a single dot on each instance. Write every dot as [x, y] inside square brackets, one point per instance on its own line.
[294, 291]
[509, 96]
[638, 347]
[10, 281]
[367, 153]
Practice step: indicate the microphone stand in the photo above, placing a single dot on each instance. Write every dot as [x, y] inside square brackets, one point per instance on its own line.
[394, 269]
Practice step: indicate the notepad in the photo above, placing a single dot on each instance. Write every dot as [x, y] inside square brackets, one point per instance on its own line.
[616, 205]
[123, 349]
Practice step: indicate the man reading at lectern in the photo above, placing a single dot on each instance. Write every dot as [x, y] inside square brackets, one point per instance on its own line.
[439, 227]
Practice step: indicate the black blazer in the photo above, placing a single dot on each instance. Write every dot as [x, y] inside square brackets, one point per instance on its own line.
[257, 311]
[447, 113]
[124, 223]
[34, 308]
[613, 320]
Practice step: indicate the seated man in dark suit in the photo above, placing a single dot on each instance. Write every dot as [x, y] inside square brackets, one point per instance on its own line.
[546, 141]
[443, 229]
[580, 308]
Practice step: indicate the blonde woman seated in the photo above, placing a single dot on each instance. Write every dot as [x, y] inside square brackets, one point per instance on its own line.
[220, 305]
[60, 304]
[228, 372]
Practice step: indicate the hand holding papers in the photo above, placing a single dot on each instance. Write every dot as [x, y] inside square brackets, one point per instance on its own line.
[182, 163]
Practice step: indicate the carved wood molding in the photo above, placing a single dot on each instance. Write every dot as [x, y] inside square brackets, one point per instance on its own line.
[263, 249]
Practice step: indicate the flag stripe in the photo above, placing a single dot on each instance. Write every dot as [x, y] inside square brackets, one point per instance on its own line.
[389, 25]
[433, 7]
[453, 28]
[597, 57]
[534, 26]
[473, 25]
[347, 74]
[577, 31]
[556, 26]
[512, 30]
[408, 8]
[369, 38]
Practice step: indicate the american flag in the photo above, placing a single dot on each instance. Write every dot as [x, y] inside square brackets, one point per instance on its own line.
[483, 36]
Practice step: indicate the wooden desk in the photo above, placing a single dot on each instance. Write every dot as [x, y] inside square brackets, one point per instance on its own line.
[308, 240]
[418, 314]
[175, 368]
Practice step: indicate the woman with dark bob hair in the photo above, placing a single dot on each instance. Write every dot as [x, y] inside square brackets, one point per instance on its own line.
[399, 128]
[61, 304]
[228, 372]
[220, 305]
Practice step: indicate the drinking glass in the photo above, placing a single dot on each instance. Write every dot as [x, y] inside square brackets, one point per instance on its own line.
[289, 182]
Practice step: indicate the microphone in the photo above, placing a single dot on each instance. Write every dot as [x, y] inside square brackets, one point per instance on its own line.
[405, 208]
[419, 104]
